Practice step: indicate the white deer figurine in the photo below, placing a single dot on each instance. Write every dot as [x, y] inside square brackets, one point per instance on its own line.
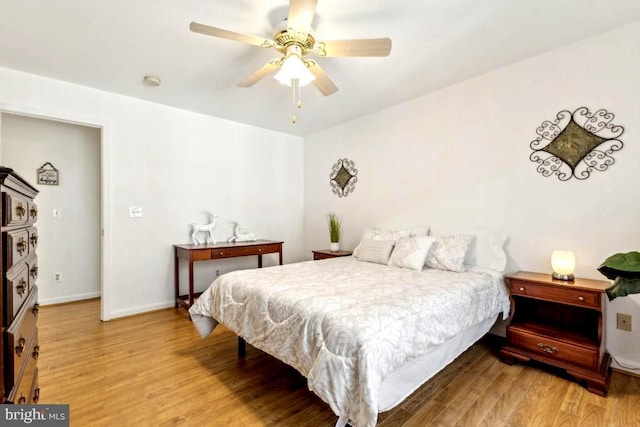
[207, 228]
[239, 235]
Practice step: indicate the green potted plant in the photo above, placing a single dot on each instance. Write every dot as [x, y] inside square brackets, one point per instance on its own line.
[334, 231]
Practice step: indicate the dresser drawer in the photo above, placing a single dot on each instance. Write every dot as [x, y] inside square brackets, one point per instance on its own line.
[23, 391]
[32, 265]
[563, 294]
[16, 290]
[20, 338]
[554, 349]
[33, 239]
[33, 213]
[16, 209]
[35, 389]
[16, 244]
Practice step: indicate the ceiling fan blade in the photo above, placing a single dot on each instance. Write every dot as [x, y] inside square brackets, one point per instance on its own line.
[262, 72]
[229, 35]
[362, 47]
[322, 82]
[300, 16]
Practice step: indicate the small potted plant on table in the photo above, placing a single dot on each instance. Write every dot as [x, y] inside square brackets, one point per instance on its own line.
[334, 231]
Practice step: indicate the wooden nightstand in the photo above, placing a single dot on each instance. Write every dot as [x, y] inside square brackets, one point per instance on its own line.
[326, 253]
[561, 324]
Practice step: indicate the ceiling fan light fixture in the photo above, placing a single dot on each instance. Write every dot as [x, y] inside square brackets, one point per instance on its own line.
[293, 68]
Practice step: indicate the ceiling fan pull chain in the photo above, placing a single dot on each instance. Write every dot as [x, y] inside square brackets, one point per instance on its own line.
[297, 104]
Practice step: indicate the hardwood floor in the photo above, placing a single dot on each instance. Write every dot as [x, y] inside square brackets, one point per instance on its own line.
[154, 369]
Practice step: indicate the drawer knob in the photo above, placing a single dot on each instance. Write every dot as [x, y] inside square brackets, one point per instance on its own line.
[20, 347]
[548, 348]
[22, 400]
[22, 286]
[34, 271]
[36, 352]
[36, 395]
[34, 240]
[521, 288]
[580, 298]
[35, 309]
[33, 212]
[20, 210]
[21, 246]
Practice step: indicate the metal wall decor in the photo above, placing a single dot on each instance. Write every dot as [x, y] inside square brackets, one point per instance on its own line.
[343, 177]
[576, 144]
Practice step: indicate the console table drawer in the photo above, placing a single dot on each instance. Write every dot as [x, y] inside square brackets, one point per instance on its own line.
[244, 251]
[563, 295]
[544, 346]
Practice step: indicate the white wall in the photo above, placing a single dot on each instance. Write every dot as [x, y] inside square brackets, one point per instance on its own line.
[460, 157]
[175, 164]
[70, 244]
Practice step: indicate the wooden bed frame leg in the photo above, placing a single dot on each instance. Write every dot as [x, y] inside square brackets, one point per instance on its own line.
[242, 347]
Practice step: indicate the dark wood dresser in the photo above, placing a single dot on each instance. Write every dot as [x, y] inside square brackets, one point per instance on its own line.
[19, 347]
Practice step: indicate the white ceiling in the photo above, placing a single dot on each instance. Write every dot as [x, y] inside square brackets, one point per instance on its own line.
[111, 45]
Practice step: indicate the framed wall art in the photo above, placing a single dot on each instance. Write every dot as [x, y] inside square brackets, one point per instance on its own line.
[48, 175]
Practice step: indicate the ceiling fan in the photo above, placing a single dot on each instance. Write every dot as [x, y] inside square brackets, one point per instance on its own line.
[294, 42]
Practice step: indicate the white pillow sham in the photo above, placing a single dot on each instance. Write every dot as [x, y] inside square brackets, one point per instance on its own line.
[377, 251]
[411, 252]
[449, 252]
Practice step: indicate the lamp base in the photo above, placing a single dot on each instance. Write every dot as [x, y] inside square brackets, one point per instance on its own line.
[563, 277]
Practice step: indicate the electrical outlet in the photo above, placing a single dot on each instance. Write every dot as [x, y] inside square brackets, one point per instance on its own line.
[57, 277]
[623, 321]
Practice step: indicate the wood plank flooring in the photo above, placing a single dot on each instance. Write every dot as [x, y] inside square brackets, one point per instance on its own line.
[155, 370]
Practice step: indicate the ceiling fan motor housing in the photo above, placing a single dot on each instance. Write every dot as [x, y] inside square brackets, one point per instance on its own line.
[285, 38]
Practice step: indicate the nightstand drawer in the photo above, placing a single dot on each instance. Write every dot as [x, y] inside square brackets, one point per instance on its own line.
[558, 294]
[326, 254]
[544, 346]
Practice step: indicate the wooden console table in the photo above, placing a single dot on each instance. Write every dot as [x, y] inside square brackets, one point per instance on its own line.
[192, 253]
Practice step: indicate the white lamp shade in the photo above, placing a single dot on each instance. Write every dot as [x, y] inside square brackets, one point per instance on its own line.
[563, 263]
[294, 68]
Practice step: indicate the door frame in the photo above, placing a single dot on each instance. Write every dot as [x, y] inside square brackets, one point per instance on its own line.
[105, 170]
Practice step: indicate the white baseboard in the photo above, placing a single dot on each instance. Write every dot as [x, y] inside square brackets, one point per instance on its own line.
[68, 298]
[141, 309]
[625, 365]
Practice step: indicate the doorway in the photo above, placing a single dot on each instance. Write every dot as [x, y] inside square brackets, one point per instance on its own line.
[70, 219]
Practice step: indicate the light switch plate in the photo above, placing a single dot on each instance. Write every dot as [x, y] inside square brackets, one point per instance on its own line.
[135, 212]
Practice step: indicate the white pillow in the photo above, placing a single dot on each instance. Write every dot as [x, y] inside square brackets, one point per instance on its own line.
[378, 234]
[449, 252]
[487, 249]
[377, 251]
[411, 252]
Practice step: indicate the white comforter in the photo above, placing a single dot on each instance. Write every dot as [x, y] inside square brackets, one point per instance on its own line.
[346, 324]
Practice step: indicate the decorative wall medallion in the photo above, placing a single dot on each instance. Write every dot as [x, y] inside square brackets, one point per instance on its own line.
[343, 177]
[576, 144]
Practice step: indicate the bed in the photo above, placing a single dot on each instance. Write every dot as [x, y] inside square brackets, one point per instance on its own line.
[364, 334]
